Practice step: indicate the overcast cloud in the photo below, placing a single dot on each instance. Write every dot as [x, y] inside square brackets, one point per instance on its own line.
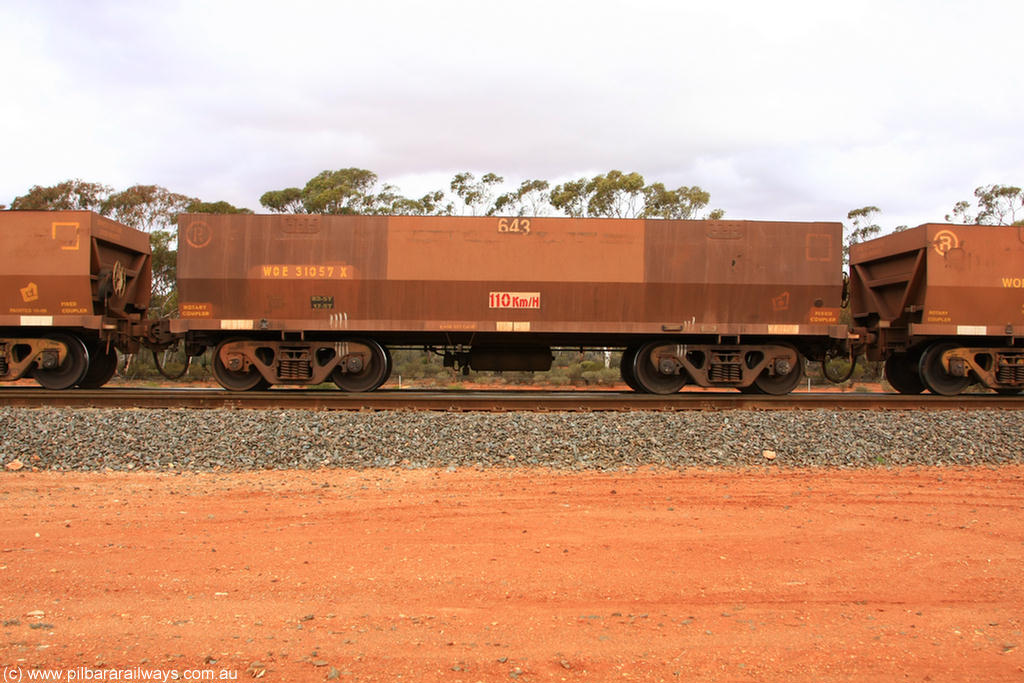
[782, 110]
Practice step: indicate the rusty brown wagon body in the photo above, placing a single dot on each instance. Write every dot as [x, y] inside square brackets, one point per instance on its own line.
[943, 306]
[304, 298]
[73, 287]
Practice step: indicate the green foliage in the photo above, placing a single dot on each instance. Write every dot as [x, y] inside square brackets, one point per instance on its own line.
[475, 194]
[414, 366]
[615, 194]
[164, 260]
[432, 204]
[389, 202]
[339, 192]
[143, 207]
[861, 228]
[141, 366]
[288, 200]
[996, 205]
[624, 195]
[71, 195]
[146, 207]
[214, 207]
[583, 370]
[679, 204]
[530, 199]
[866, 372]
[571, 198]
[349, 191]
[418, 368]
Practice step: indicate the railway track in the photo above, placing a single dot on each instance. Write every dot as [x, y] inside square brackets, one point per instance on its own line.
[491, 401]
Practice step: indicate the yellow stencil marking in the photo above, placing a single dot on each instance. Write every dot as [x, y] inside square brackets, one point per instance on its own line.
[68, 235]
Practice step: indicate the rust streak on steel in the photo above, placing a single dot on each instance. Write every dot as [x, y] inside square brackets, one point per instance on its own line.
[493, 401]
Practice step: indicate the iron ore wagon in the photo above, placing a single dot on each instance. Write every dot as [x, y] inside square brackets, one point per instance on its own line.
[303, 299]
[73, 287]
[943, 306]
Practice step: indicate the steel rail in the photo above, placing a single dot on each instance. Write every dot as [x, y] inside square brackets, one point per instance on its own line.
[490, 401]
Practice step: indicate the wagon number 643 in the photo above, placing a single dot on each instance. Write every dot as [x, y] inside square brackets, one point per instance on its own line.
[519, 225]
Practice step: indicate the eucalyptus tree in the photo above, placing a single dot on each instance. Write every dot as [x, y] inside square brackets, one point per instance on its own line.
[996, 205]
[531, 198]
[350, 191]
[862, 227]
[476, 194]
[625, 195]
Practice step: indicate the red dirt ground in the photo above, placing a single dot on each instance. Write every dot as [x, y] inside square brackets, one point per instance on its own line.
[518, 574]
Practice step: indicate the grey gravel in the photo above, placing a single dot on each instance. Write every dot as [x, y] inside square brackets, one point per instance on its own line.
[93, 439]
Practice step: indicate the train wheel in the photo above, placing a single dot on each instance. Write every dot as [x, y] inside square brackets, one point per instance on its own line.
[779, 385]
[71, 371]
[102, 366]
[649, 379]
[626, 368]
[371, 376]
[935, 377]
[236, 381]
[901, 372]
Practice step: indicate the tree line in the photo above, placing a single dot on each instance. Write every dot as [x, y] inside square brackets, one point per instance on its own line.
[614, 194]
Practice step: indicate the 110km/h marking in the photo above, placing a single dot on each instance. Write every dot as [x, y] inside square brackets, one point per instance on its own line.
[514, 300]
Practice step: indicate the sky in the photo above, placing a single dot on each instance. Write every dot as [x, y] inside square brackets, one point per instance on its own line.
[782, 110]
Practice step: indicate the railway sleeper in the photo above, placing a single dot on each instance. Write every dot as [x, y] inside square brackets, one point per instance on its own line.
[290, 362]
